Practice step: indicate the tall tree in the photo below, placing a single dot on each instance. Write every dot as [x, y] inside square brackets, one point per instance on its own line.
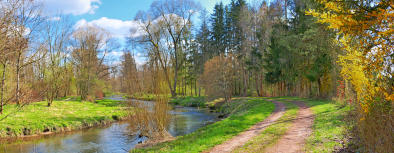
[218, 29]
[57, 36]
[165, 26]
[91, 47]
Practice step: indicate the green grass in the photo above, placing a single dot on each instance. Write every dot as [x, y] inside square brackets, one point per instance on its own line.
[272, 133]
[329, 125]
[36, 117]
[247, 112]
[189, 101]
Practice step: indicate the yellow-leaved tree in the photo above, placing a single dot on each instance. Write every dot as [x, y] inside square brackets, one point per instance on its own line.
[365, 33]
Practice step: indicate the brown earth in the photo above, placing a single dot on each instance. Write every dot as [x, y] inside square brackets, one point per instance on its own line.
[294, 139]
[255, 130]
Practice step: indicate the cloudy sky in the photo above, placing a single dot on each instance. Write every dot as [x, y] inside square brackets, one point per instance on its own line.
[116, 16]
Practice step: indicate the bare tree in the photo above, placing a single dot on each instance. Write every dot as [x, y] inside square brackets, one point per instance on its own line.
[219, 75]
[57, 37]
[21, 21]
[92, 44]
[164, 27]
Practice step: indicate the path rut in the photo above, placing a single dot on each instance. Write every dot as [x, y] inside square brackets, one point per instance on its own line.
[255, 130]
[294, 139]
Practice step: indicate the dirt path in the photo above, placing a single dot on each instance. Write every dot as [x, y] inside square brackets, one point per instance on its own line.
[294, 139]
[255, 130]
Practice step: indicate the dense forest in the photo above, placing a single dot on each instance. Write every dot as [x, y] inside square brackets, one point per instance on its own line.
[337, 50]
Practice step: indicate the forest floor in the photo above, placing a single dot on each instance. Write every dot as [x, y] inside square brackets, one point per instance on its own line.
[36, 118]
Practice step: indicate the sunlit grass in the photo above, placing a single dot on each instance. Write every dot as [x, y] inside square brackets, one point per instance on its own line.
[272, 133]
[36, 118]
[329, 125]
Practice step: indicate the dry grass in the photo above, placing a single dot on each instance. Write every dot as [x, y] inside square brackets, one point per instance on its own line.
[151, 119]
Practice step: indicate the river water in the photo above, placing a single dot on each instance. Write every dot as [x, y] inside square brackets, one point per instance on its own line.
[112, 139]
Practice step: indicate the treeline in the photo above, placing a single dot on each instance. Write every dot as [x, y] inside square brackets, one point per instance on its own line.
[45, 59]
[275, 49]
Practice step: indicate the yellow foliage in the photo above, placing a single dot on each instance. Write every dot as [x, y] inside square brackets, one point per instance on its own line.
[367, 40]
[365, 31]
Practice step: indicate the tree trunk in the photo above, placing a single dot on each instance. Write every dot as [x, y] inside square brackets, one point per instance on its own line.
[2, 90]
[49, 103]
[17, 90]
[245, 82]
[319, 87]
[191, 88]
[257, 85]
[195, 87]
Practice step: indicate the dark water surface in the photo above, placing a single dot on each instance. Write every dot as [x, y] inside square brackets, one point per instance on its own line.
[112, 139]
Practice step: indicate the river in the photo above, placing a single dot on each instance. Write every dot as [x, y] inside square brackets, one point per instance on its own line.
[112, 139]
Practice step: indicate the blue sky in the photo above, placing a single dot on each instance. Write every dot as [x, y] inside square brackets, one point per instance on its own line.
[126, 9]
[116, 16]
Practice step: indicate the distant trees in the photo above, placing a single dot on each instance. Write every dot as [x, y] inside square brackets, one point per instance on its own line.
[218, 77]
[130, 75]
[277, 53]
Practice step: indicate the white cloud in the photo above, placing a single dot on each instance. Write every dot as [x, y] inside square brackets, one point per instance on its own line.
[74, 7]
[116, 53]
[117, 28]
[56, 18]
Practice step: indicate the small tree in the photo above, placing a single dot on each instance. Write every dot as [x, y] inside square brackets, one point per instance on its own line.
[218, 76]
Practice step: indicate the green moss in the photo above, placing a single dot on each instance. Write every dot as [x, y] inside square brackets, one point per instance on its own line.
[249, 111]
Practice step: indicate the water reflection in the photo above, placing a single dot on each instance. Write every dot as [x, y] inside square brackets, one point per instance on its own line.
[114, 138]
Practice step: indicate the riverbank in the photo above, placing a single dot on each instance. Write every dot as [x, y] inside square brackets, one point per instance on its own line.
[328, 130]
[243, 113]
[37, 119]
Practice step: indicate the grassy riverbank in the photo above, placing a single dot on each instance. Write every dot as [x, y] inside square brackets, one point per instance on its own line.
[189, 101]
[245, 112]
[37, 118]
[329, 126]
